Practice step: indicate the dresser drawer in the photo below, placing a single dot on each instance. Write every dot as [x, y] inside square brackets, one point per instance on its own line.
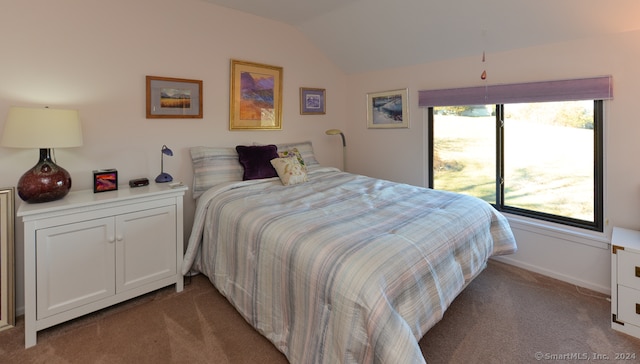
[629, 269]
[628, 305]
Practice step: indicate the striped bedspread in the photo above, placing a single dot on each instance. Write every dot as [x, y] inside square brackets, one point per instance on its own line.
[343, 268]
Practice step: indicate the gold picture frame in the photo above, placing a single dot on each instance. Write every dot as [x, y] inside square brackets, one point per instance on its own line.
[173, 98]
[388, 109]
[255, 96]
[7, 273]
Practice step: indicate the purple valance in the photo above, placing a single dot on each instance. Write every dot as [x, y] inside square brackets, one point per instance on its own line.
[596, 88]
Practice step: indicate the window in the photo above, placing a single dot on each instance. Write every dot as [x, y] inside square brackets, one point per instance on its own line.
[540, 159]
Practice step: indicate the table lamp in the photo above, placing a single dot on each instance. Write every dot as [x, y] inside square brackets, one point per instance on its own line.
[164, 177]
[344, 146]
[45, 129]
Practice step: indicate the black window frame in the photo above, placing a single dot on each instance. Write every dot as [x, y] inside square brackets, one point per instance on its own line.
[598, 180]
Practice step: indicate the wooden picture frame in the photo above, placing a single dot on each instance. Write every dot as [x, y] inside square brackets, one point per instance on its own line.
[388, 109]
[7, 267]
[255, 96]
[173, 98]
[105, 180]
[312, 101]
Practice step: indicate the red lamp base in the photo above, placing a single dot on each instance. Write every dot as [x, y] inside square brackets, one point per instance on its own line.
[45, 182]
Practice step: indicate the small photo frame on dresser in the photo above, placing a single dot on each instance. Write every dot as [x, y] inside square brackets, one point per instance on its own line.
[105, 180]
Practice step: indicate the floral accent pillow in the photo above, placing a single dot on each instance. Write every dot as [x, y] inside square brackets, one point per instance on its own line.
[305, 149]
[293, 153]
[290, 171]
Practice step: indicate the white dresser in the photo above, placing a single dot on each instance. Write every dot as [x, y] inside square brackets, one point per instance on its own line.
[625, 281]
[91, 250]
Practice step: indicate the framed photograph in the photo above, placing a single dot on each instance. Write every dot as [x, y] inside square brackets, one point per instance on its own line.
[312, 101]
[388, 109]
[7, 273]
[173, 98]
[255, 96]
[105, 180]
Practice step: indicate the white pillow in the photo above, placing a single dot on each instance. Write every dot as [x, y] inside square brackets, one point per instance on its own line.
[212, 166]
[290, 171]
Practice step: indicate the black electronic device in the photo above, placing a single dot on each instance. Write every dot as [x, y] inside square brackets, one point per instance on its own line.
[139, 182]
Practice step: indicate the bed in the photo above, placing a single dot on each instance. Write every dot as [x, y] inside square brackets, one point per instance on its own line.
[334, 267]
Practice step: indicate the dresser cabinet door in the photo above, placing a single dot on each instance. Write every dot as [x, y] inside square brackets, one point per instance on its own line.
[146, 247]
[75, 265]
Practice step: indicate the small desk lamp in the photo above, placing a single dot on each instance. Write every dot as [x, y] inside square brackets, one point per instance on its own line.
[344, 146]
[164, 177]
[44, 129]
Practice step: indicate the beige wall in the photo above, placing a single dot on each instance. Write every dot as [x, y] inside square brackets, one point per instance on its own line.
[94, 55]
[399, 154]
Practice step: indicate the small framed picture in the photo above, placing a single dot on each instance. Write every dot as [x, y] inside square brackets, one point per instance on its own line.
[388, 109]
[173, 98]
[105, 180]
[312, 101]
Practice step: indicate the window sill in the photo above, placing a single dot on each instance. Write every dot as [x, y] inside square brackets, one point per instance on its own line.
[568, 233]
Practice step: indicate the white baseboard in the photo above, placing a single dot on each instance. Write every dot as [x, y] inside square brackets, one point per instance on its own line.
[552, 274]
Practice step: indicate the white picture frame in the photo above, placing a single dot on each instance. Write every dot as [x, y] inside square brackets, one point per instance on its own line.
[388, 109]
[7, 268]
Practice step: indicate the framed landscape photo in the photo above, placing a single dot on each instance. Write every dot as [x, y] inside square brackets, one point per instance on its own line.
[173, 98]
[255, 96]
[105, 180]
[388, 109]
[7, 272]
[312, 101]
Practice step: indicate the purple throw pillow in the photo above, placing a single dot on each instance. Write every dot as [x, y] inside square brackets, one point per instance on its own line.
[256, 160]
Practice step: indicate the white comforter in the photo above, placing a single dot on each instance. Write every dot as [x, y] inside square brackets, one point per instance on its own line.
[343, 268]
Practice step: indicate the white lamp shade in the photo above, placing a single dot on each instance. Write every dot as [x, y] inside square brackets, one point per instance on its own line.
[41, 128]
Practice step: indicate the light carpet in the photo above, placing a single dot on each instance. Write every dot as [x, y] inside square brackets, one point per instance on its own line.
[506, 315]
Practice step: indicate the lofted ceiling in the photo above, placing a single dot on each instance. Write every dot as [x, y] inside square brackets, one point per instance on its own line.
[367, 35]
